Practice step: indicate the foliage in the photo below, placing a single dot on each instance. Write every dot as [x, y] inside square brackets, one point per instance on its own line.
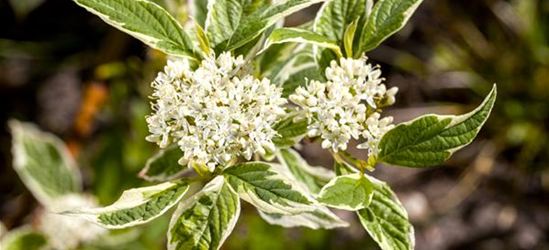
[221, 55]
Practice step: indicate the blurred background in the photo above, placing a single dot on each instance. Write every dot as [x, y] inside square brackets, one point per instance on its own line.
[75, 76]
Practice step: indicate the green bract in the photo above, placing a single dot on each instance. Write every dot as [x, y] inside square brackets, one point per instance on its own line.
[309, 64]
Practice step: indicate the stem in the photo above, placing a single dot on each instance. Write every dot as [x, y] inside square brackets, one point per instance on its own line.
[362, 165]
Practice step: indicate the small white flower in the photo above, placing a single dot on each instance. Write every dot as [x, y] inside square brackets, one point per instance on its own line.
[66, 232]
[216, 112]
[337, 109]
[374, 131]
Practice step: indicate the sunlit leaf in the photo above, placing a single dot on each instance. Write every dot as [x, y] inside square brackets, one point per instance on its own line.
[135, 206]
[43, 162]
[349, 192]
[321, 217]
[387, 17]
[386, 220]
[145, 21]
[163, 166]
[286, 35]
[259, 184]
[252, 26]
[430, 140]
[205, 220]
[313, 178]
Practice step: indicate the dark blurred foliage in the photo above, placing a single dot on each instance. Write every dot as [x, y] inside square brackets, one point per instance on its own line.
[72, 74]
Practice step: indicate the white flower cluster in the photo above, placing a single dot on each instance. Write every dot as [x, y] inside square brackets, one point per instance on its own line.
[338, 109]
[216, 112]
[66, 232]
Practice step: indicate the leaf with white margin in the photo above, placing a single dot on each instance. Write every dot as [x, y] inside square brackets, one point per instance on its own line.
[342, 168]
[252, 26]
[334, 17]
[205, 220]
[297, 35]
[135, 206]
[224, 16]
[430, 140]
[289, 131]
[163, 166]
[294, 66]
[386, 220]
[321, 217]
[198, 9]
[43, 162]
[348, 192]
[387, 17]
[145, 21]
[269, 191]
[23, 238]
[314, 178]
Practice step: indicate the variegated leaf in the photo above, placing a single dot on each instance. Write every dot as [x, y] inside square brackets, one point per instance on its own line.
[430, 140]
[43, 162]
[135, 206]
[321, 217]
[205, 220]
[145, 21]
[269, 191]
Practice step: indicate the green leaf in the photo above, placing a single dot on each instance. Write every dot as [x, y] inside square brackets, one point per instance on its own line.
[286, 35]
[386, 220]
[299, 76]
[23, 238]
[135, 206]
[252, 26]
[333, 21]
[289, 132]
[145, 21]
[321, 217]
[387, 17]
[349, 192]
[269, 191]
[224, 17]
[293, 68]
[43, 162]
[334, 17]
[199, 10]
[203, 40]
[349, 37]
[431, 139]
[163, 166]
[314, 178]
[342, 168]
[205, 220]
[273, 58]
